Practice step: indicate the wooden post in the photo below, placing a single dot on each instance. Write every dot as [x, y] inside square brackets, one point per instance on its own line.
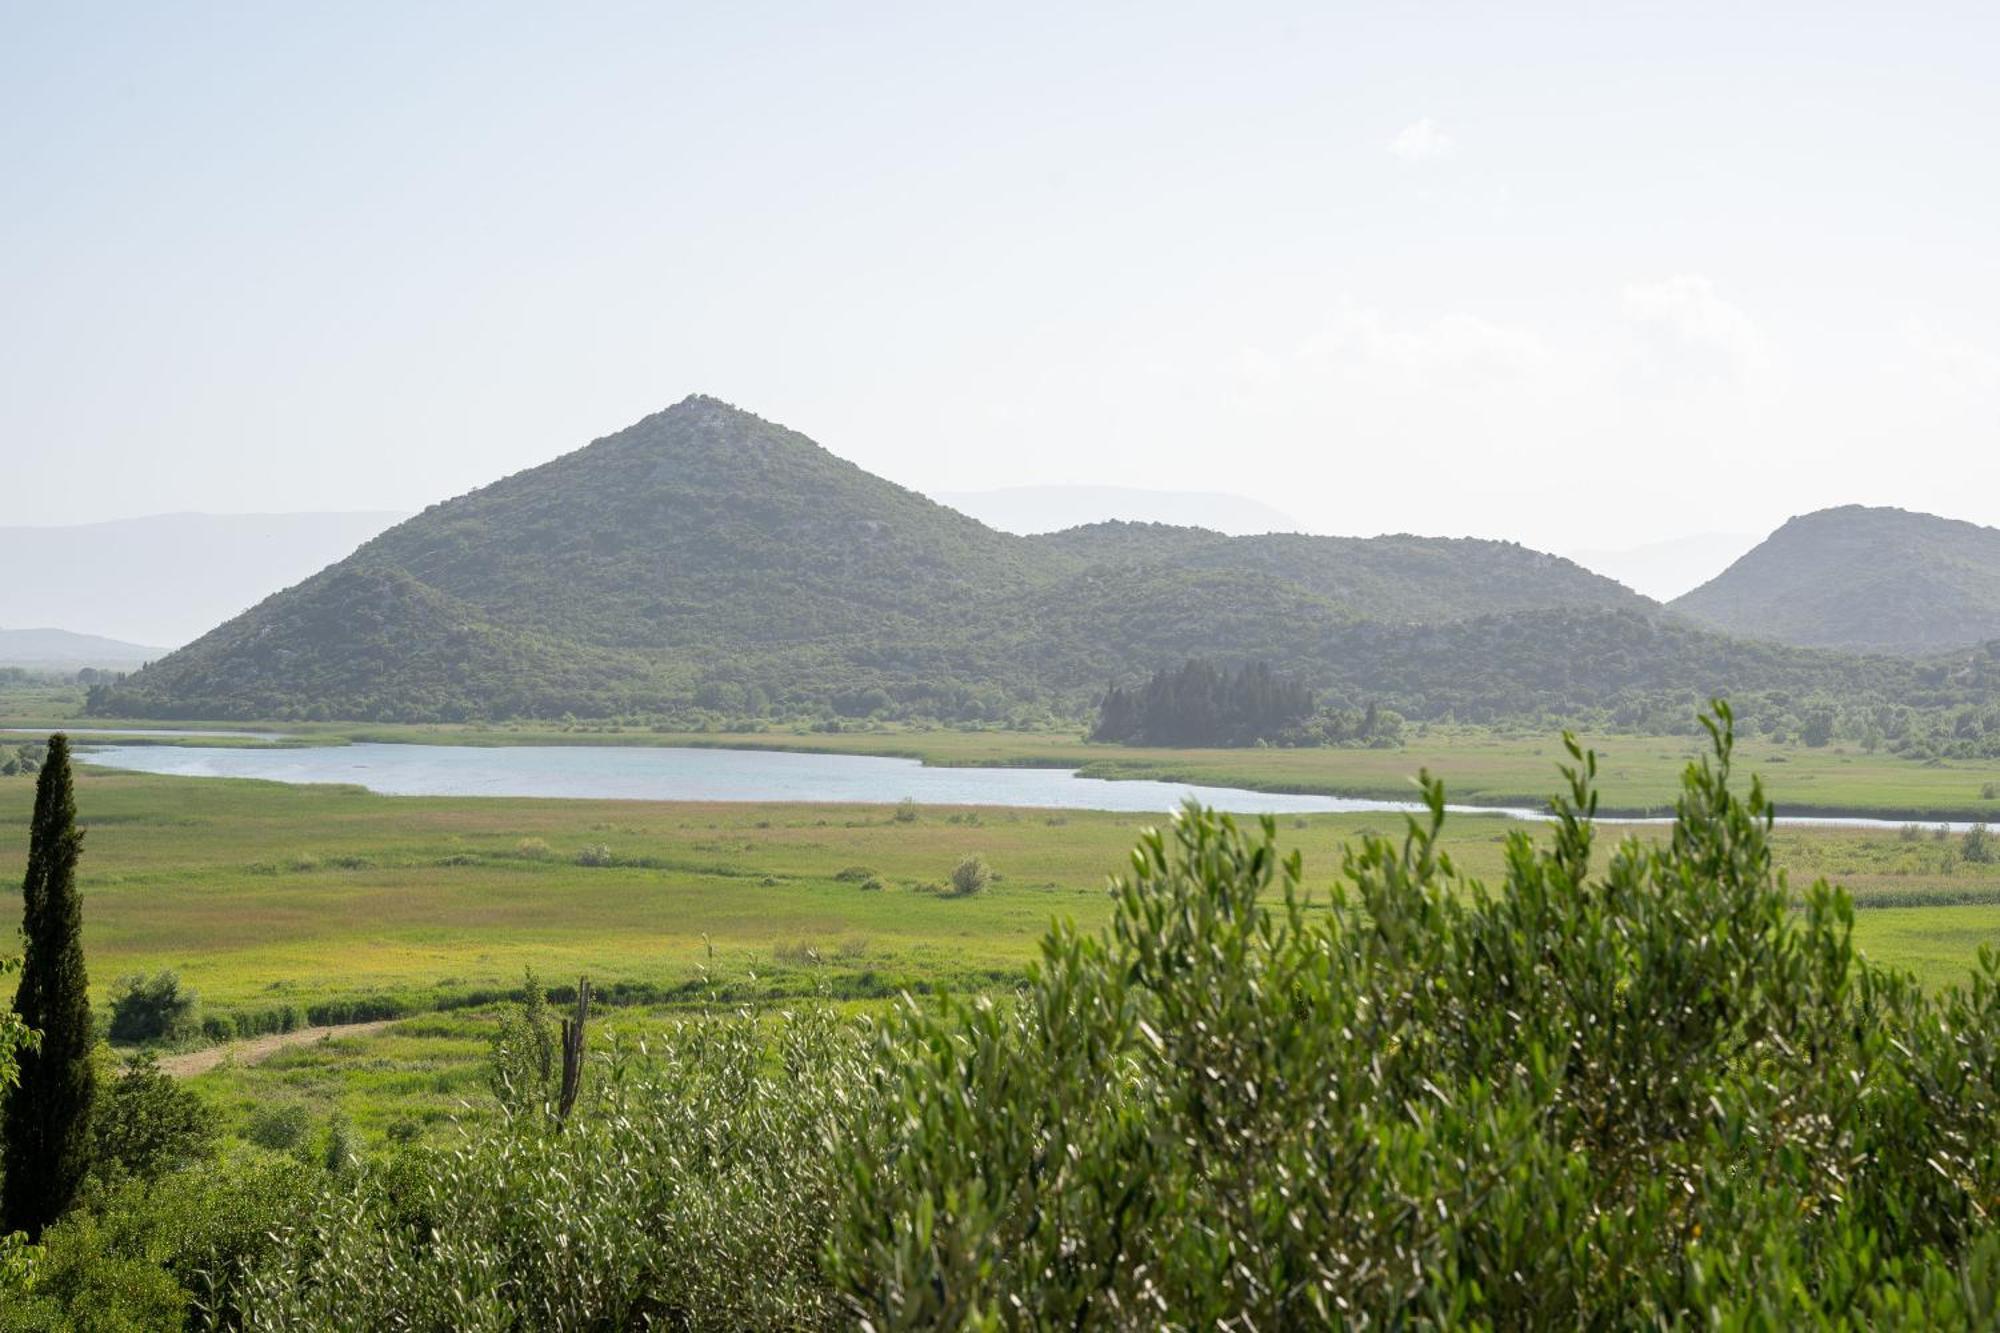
[572, 1050]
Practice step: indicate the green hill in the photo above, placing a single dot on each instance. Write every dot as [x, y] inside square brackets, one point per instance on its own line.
[707, 560]
[1865, 580]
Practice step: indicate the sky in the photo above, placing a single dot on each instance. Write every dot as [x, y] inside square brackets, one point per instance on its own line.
[1590, 275]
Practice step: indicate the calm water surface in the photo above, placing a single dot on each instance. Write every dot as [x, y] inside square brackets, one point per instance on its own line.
[660, 773]
[649, 773]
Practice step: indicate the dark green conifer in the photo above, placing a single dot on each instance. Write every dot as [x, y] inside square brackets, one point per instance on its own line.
[47, 1124]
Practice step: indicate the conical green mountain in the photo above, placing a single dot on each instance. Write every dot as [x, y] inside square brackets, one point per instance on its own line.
[1861, 579]
[707, 559]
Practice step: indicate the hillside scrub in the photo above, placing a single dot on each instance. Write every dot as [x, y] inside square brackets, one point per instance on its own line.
[1873, 580]
[1643, 1086]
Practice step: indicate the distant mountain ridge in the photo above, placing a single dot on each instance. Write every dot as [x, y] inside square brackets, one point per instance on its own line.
[1861, 579]
[61, 648]
[168, 578]
[706, 558]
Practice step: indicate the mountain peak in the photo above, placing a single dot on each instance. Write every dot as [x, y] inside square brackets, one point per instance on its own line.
[1863, 578]
[705, 557]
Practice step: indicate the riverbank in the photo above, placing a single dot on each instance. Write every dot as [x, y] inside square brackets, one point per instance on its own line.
[1490, 768]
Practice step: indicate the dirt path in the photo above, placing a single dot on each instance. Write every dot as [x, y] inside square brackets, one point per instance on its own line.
[250, 1051]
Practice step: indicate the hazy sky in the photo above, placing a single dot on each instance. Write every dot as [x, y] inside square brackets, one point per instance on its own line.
[1580, 275]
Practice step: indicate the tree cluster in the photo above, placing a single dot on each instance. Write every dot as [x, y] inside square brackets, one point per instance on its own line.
[1203, 703]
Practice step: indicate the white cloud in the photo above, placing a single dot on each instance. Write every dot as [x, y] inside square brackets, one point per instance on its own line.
[1422, 142]
[1690, 323]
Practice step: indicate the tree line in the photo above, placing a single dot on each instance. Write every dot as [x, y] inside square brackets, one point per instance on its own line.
[1203, 703]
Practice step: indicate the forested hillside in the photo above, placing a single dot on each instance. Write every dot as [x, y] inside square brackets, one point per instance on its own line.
[705, 561]
[1867, 580]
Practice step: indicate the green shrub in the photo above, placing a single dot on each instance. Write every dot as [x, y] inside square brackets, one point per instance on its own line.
[971, 875]
[693, 1188]
[532, 849]
[281, 1128]
[153, 1009]
[596, 854]
[1979, 845]
[906, 810]
[145, 1254]
[343, 1145]
[144, 1123]
[521, 1063]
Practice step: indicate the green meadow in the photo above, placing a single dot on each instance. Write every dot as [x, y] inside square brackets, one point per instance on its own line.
[261, 894]
[331, 902]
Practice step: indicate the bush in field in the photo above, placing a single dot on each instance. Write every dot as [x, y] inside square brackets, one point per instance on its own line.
[691, 1189]
[153, 1009]
[906, 810]
[1979, 846]
[281, 1128]
[971, 875]
[596, 854]
[532, 849]
[145, 1124]
[147, 1254]
[343, 1145]
[522, 1063]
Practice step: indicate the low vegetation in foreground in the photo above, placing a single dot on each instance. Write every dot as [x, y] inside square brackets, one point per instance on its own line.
[1645, 1084]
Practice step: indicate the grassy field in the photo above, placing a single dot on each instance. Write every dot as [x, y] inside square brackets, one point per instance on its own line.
[261, 894]
[265, 896]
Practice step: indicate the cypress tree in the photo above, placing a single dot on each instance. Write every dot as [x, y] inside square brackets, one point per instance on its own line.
[47, 1124]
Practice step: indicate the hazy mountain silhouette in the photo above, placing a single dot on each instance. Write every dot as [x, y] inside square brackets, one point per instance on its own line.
[167, 578]
[59, 648]
[1867, 580]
